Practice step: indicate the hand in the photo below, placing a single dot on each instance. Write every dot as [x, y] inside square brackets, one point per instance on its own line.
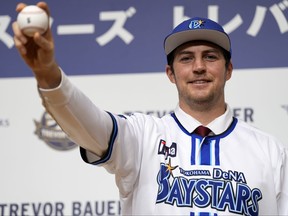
[38, 52]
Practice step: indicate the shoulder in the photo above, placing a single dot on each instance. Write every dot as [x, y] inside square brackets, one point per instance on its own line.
[138, 118]
[262, 137]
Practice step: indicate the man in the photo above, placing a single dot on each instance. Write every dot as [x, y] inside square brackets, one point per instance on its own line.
[168, 165]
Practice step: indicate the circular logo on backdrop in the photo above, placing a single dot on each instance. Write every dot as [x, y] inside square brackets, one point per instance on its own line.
[50, 132]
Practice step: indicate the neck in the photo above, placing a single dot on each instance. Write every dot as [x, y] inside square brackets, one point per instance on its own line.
[204, 114]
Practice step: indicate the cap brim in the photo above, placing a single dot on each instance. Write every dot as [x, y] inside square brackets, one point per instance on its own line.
[176, 39]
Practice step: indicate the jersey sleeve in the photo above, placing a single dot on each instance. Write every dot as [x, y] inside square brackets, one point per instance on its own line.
[104, 138]
[283, 183]
[124, 155]
[82, 121]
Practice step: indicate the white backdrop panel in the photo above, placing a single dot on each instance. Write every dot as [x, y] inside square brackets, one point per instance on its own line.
[36, 178]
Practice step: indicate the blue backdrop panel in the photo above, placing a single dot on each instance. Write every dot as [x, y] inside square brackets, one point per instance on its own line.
[126, 36]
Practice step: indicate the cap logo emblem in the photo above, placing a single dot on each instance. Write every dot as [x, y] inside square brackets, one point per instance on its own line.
[194, 24]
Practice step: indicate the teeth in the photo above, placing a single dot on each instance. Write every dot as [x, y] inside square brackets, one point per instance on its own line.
[200, 81]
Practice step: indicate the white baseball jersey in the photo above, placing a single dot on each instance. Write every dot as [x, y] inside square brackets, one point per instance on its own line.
[163, 168]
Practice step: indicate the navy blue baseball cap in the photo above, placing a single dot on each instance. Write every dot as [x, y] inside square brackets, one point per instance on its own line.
[197, 28]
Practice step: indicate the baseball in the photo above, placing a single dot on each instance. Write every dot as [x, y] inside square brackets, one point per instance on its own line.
[33, 19]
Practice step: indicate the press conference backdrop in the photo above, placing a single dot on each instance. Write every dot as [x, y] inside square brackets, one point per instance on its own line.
[113, 51]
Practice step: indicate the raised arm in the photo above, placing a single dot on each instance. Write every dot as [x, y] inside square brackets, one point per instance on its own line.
[38, 52]
[89, 126]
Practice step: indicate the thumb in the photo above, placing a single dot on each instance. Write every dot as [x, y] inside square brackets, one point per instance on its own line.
[43, 43]
[46, 51]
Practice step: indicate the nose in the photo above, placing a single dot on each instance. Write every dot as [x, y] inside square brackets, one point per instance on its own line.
[199, 65]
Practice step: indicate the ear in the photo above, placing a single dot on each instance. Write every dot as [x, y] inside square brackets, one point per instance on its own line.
[229, 71]
[170, 73]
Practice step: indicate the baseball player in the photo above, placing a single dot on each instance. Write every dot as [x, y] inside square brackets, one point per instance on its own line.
[167, 166]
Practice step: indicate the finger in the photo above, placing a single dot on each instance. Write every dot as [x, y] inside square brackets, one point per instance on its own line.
[18, 33]
[20, 7]
[44, 6]
[20, 46]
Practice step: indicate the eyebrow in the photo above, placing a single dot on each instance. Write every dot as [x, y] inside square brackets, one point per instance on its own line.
[210, 50]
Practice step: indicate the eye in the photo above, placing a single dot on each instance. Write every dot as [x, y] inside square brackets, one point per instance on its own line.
[211, 57]
[186, 58]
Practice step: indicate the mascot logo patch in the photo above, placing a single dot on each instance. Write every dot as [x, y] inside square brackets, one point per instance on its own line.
[167, 151]
[50, 132]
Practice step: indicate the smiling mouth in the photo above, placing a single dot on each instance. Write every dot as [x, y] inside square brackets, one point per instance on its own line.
[200, 81]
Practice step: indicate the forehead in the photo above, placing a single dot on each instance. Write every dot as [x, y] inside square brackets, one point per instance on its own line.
[206, 45]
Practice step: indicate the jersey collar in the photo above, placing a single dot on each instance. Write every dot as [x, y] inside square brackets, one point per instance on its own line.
[217, 126]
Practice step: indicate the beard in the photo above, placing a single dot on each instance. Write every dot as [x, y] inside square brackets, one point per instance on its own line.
[202, 102]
